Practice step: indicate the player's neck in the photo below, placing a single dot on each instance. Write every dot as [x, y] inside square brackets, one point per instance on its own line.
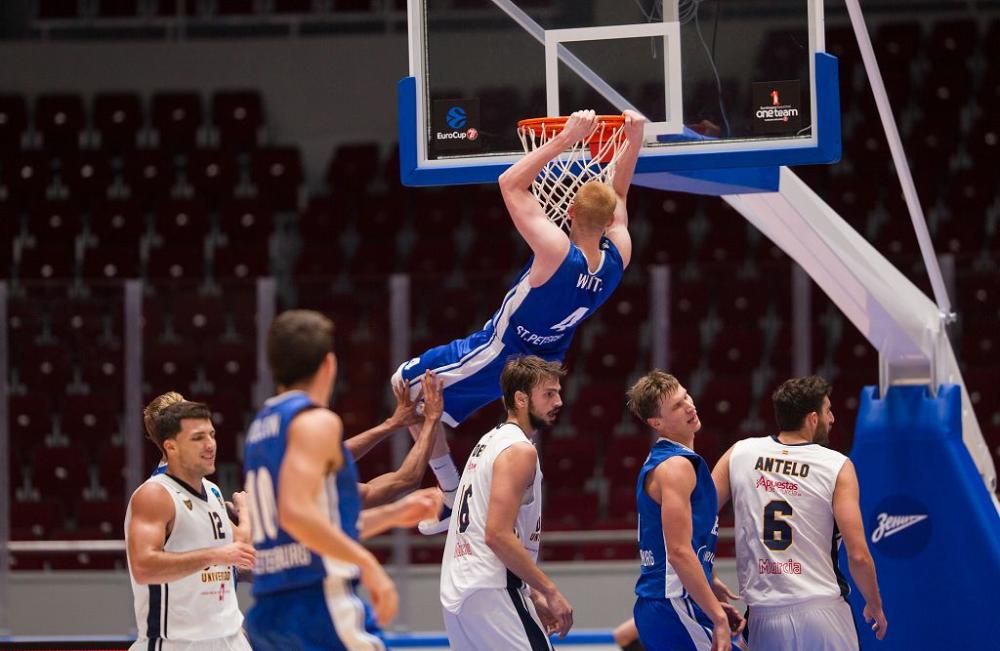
[792, 438]
[685, 440]
[191, 478]
[523, 421]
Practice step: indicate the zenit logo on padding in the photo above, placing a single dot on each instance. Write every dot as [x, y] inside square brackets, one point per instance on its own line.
[455, 126]
[900, 526]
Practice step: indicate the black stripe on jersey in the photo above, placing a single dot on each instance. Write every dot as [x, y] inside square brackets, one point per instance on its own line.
[166, 609]
[845, 588]
[153, 617]
[536, 637]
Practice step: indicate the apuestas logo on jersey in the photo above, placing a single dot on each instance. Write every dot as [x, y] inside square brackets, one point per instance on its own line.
[900, 526]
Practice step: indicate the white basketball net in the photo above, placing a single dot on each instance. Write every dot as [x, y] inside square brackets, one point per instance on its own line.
[594, 157]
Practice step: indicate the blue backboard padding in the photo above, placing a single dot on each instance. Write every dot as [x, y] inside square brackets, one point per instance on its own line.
[826, 115]
[939, 576]
[713, 182]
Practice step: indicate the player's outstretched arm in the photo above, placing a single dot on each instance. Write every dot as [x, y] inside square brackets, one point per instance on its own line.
[404, 415]
[403, 513]
[390, 485]
[847, 514]
[152, 515]
[635, 125]
[313, 450]
[673, 482]
[513, 472]
[720, 477]
[547, 241]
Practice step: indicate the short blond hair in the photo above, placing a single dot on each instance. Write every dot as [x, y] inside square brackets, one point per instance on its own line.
[647, 394]
[153, 409]
[594, 205]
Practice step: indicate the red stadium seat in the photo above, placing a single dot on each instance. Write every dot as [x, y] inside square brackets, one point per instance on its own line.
[176, 262]
[88, 175]
[237, 114]
[198, 318]
[246, 220]
[170, 8]
[182, 223]
[120, 222]
[569, 508]
[58, 473]
[230, 364]
[177, 116]
[60, 119]
[13, 122]
[277, 173]
[353, 166]
[170, 367]
[213, 173]
[102, 367]
[149, 174]
[108, 263]
[30, 422]
[48, 261]
[55, 221]
[58, 9]
[26, 177]
[736, 349]
[292, 6]
[118, 118]
[234, 7]
[35, 520]
[89, 420]
[242, 261]
[623, 457]
[568, 462]
[101, 519]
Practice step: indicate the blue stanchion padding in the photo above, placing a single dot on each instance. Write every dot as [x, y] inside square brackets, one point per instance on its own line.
[930, 521]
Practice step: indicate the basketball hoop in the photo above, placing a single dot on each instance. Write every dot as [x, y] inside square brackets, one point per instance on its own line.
[593, 157]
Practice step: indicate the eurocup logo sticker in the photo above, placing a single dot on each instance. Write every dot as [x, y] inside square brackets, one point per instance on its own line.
[900, 526]
[456, 117]
[455, 126]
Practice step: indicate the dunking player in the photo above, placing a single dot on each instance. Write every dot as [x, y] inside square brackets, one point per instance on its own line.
[306, 510]
[567, 279]
[493, 593]
[181, 546]
[676, 605]
[790, 496]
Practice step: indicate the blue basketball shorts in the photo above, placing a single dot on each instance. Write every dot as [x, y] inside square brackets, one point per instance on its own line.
[326, 616]
[676, 624]
[470, 369]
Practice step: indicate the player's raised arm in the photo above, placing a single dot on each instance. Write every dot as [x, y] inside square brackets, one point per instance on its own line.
[547, 241]
[635, 125]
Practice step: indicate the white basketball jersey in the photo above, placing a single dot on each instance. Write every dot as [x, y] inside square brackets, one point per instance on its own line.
[786, 538]
[200, 606]
[468, 563]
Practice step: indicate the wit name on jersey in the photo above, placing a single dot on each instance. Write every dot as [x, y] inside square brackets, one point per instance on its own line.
[283, 563]
[202, 605]
[786, 538]
[468, 563]
[542, 320]
[657, 578]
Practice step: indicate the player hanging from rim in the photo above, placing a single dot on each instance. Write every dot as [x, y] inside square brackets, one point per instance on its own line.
[567, 278]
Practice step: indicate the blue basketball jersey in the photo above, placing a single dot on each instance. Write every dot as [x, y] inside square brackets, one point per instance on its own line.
[282, 562]
[657, 579]
[542, 320]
